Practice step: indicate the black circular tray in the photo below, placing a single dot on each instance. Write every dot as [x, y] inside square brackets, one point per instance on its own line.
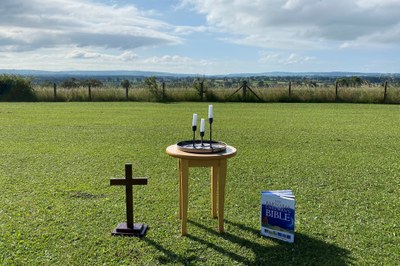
[187, 146]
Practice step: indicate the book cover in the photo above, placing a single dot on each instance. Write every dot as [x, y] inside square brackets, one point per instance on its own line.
[278, 214]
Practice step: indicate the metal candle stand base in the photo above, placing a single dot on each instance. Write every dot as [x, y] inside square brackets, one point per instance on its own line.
[197, 147]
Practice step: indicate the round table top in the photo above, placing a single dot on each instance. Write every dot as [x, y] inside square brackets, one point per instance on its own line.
[175, 152]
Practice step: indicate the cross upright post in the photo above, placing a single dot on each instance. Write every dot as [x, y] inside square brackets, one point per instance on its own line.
[129, 228]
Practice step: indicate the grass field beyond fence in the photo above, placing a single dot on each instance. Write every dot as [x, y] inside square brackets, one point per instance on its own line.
[57, 207]
[300, 93]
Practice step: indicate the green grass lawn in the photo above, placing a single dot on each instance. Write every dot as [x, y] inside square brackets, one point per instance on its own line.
[56, 205]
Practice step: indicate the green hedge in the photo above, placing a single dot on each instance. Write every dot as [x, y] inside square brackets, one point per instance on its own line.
[15, 88]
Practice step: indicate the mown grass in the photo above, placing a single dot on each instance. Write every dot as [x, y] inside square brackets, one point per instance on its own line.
[57, 207]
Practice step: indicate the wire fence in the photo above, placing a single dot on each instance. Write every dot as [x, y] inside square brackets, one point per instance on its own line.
[187, 91]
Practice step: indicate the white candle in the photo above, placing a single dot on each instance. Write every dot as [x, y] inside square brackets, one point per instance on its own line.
[202, 124]
[210, 111]
[194, 121]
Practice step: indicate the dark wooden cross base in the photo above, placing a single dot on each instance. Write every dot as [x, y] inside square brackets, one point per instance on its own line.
[129, 228]
[138, 229]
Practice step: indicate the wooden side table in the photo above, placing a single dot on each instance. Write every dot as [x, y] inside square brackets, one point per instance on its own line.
[218, 164]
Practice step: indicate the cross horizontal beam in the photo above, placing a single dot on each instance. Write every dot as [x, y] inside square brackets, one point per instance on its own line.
[127, 182]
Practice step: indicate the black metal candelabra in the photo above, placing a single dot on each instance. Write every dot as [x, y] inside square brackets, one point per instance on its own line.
[210, 120]
[202, 137]
[194, 136]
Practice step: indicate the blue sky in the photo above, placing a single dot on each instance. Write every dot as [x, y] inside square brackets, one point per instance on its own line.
[201, 37]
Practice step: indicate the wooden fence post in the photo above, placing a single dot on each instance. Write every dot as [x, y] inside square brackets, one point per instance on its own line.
[244, 97]
[90, 92]
[336, 91]
[385, 92]
[55, 91]
[290, 89]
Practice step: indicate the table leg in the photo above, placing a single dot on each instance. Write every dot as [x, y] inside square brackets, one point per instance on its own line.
[185, 195]
[180, 188]
[221, 194]
[214, 177]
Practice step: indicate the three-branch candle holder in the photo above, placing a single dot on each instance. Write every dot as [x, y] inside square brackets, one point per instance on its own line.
[202, 145]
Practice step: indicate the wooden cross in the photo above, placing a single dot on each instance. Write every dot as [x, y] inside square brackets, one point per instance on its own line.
[129, 228]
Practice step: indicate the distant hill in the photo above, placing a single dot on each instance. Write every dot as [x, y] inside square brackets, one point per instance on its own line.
[313, 74]
[78, 73]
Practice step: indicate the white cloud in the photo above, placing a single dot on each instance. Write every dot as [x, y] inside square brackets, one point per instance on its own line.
[81, 54]
[270, 57]
[377, 3]
[297, 59]
[84, 54]
[35, 24]
[304, 24]
[176, 60]
[128, 56]
[280, 58]
[292, 4]
[167, 59]
[186, 30]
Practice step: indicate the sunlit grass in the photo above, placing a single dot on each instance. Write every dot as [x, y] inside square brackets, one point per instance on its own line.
[57, 207]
